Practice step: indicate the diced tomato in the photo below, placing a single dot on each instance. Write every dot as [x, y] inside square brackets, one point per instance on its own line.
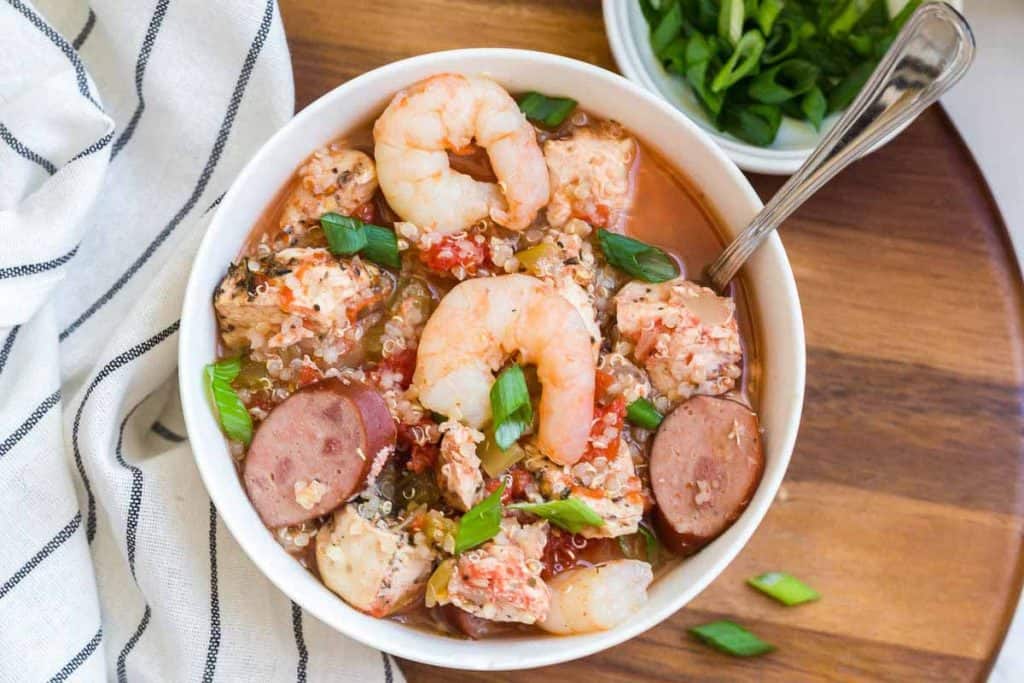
[402, 363]
[617, 408]
[367, 212]
[521, 480]
[308, 375]
[451, 252]
[602, 382]
[516, 488]
[422, 458]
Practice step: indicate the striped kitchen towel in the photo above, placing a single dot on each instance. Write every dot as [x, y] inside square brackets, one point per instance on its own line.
[121, 124]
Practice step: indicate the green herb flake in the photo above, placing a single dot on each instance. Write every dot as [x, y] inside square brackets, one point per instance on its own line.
[732, 639]
[234, 417]
[481, 523]
[785, 588]
[570, 514]
[511, 410]
[640, 260]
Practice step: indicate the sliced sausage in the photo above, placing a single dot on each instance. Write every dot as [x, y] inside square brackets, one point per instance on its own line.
[323, 437]
[473, 626]
[706, 463]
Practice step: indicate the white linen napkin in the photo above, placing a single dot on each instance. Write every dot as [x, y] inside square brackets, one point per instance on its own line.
[121, 125]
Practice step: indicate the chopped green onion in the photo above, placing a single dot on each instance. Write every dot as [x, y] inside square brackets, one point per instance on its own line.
[847, 89]
[767, 12]
[755, 123]
[571, 514]
[814, 106]
[730, 20]
[640, 260]
[549, 111]
[667, 29]
[651, 541]
[481, 523]
[732, 639]
[785, 588]
[742, 63]
[642, 413]
[783, 81]
[347, 236]
[782, 42]
[234, 416]
[848, 16]
[382, 246]
[510, 406]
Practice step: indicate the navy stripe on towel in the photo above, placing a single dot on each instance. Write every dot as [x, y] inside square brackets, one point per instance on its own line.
[79, 659]
[213, 648]
[300, 644]
[57, 541]
[122, 658]
[83, 35]
[36, 268]
[204, 178]
[119, 361]
[163, 432]
[23, 150]
[64, 46]
[5, 352]
[140, 72]
[389, 677]
[22, 431]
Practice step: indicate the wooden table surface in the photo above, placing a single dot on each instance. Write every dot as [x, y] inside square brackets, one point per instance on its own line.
[904, 502]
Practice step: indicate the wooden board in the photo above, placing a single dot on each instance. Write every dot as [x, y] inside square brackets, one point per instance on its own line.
[904, 503]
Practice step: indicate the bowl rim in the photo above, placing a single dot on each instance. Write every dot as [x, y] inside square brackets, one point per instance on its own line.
[193, 402]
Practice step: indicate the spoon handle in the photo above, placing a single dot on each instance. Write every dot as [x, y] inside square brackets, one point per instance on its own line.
[928, 56]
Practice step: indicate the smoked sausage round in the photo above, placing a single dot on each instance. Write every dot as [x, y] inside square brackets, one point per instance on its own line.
[314, 451]
[706, 463]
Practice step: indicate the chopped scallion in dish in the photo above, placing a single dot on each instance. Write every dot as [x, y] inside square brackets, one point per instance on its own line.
[510, 406]
[481, 523]
[640, 260]
[234, 418]
[347, 236]
[570, 514]
[642, 413]
[548, 111]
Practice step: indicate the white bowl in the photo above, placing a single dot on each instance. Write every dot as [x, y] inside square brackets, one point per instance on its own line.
[775, 306]
[629, 36]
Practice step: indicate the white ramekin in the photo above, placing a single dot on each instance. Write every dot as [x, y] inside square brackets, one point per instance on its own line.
[629, 37]
[776, 308]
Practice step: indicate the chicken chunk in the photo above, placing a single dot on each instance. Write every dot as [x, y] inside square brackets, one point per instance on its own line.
[458, 471]
[590, 175]
[333, 179]
[374, 568]
[686, 336]
[501, 580]
[297, 296]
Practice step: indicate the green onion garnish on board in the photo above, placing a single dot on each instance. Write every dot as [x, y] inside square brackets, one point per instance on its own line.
[642, 413]
[732, 639]
[785, 588]
[347, 236]
[510, 406]
[547, 111]
[232, 413]
[643, 261]
[481, 523]
[570, 514]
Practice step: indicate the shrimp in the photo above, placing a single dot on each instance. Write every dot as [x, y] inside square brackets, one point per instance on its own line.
[474, 330]
[450, 112]
[597, 598]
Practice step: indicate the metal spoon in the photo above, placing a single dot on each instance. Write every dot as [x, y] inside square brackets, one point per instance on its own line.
[928, 56]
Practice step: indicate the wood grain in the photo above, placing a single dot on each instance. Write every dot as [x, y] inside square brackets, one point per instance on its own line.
[904, 503]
